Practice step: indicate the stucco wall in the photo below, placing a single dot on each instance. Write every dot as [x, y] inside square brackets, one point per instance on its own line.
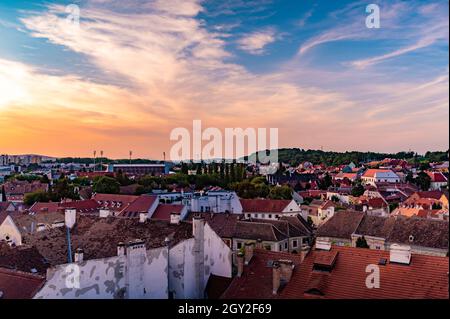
[107, 278]
[217, 255]
[8, 229]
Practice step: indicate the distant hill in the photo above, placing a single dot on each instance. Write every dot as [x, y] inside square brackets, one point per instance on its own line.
[295, 156]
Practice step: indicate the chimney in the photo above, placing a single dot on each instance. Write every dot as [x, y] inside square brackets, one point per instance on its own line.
[197, 224]
[304, 252]
[70, 217]
[198, 229]
[276, 277]
[259, 244]
[400, 254]
[286, 267]
[323, 245]
[136, 257]
[103, 213]
[142, 217]
[174, 218]
[121, 249]
[240, 263]
[79, 255]
[248, 247]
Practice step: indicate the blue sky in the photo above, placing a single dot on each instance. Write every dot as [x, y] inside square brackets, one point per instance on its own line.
[310, 67]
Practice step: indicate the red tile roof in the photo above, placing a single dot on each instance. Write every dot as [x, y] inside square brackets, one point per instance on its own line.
[114, 201]
[163, 211]
[44, 207]
[377, 202]
[372, 171]
[264, 205]
[216, 286]
[430, 194]
[82, 205]
[141, 204]
[23, 187]
[223, 224]
[19, 285]
[327, 204]
[437, 177]
[256, 280]
[426, 277]
[312, 193]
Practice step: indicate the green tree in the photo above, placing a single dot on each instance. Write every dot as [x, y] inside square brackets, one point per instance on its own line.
[361, 242]
[423, 181]
[409, 178]
[39, 196]
[3, 194]
[123, 179]
[280, 192]
[106, 185]
[62, 189]
[393, 206]
[325, 182]
[245, 189]
[358, 190]
[184, 168]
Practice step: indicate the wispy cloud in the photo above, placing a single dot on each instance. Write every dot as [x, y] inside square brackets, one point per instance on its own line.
[256, 42]
[419, 25]
[174, 69]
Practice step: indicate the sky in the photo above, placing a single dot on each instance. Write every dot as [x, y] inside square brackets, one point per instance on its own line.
[131, 71]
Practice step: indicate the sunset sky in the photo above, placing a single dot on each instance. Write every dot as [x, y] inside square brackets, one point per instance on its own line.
[134, 70]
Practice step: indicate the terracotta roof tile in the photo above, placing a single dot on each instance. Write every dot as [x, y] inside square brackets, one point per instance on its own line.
[163, 211]
[19, 285]
[256, 280]
[341, 225]
[98, 237]
[264, 205]
[426, 277]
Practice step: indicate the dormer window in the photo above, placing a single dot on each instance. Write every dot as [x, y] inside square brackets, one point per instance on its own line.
[411, 238]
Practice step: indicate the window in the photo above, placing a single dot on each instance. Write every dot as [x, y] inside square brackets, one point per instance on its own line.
[239, 245]
[280, 247]
[286, 245]
[255, 215]
[294, 243]
[249, 215]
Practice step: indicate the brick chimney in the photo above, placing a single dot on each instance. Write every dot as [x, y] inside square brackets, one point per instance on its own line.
[142, 217]
[259, 244]
[121, 249]
[248, 247]
[286, 266]
[79, 255]
[240, 263]
[198, 231]
[135, 261]
[70, 215]
[276, 277]
[400, 254]
[174, 218]
[103, 213]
